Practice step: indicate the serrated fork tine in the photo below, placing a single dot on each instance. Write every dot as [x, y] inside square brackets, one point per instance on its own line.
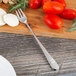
[17, 15]
[22, 12]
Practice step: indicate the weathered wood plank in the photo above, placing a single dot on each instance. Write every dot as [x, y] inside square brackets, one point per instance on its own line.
[27, 58]
[35, 19]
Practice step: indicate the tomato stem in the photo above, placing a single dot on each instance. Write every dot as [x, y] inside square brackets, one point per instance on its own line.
[74, 20]
[72, 29]
[73, 25]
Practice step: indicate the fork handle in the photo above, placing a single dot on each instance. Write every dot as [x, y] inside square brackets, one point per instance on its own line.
[49, 58]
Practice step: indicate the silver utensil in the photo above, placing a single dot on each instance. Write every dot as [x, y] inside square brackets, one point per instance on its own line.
[22, 18]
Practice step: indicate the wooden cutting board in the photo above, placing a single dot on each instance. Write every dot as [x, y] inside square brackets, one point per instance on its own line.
[35, 19]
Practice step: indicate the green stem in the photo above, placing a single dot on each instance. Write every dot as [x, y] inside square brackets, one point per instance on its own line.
[73, 24]
[18, 4]
[15, 7]
[72, 29]
[74, 20]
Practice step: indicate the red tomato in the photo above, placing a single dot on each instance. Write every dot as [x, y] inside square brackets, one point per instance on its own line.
[68, 14]
[53, 21]
[44, 1]
[53, 7]
[62, 2]
[34, 4]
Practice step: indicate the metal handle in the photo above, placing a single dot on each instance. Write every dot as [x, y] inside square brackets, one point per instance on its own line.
[49, 58]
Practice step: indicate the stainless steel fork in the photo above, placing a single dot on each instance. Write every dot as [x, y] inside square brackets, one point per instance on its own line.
[22, 18]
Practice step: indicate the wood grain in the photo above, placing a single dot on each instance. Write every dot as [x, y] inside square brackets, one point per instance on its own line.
[35, 19]
[28, 60]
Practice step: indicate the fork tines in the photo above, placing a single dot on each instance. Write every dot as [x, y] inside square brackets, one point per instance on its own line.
[20, 13]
